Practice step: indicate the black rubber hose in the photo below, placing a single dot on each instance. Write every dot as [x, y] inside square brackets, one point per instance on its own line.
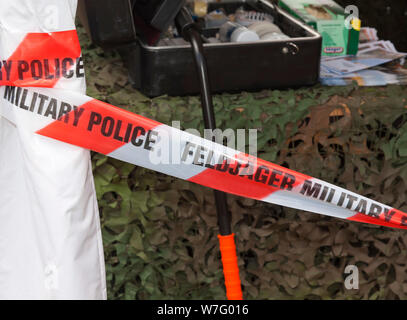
[224, 219]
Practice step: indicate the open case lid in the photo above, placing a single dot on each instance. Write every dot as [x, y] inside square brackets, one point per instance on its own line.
[114, 23]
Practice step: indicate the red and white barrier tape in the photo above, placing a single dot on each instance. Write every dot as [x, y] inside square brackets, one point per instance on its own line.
[41, 59]
[85, 122]
[51, 60]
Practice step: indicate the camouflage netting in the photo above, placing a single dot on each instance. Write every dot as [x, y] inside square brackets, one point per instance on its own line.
[160, 232]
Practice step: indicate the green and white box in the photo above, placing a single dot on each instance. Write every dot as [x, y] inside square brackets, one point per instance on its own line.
[329, 19]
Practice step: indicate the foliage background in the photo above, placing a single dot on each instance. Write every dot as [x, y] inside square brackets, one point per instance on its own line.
[159, 232]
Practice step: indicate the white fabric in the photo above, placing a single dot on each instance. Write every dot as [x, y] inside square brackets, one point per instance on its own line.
[50, 237]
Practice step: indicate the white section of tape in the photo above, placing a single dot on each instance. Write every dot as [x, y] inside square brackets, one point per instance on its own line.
[167, 157]
[33, 121]
[297, 201]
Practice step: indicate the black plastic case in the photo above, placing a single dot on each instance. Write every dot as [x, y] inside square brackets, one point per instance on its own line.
[232, 67]
[109, 23]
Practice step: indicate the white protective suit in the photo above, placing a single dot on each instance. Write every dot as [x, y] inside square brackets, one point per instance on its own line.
[50, 237]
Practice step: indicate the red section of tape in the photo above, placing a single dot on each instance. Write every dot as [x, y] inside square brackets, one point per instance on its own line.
[43, 56]
[244, 175]
[117, 121]
[257, 184]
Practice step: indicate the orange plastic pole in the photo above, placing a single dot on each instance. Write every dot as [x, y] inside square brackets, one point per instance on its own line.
[230, 267]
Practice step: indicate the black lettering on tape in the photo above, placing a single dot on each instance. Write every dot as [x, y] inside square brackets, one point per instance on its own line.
[116, 135]
[137, 131]
[351, 200]
[331, 195]
[94, 119]
[223, 164]
[43, 98]
[208, 163]
[188, 148]
[77, 112]
[23, 98]
[288, 182]
[79, 68]
[47, 74]
[65, 109]
[235, 170]
[36, 69]
[7, 67]
[107, 126]
[52, 109]
[310, 190]
[375, 210]
[57, 69]
[128, 132]
[43, 69]
[362, 206]
[341, 199]
[9, 93]
[262, 174]
[247, 170]
[18, 94]
[388, 214]
[149, 141]
[199, 156]
[33, 101]
[274, 178]
[323, 193]
[22, 68]
[65, 68]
